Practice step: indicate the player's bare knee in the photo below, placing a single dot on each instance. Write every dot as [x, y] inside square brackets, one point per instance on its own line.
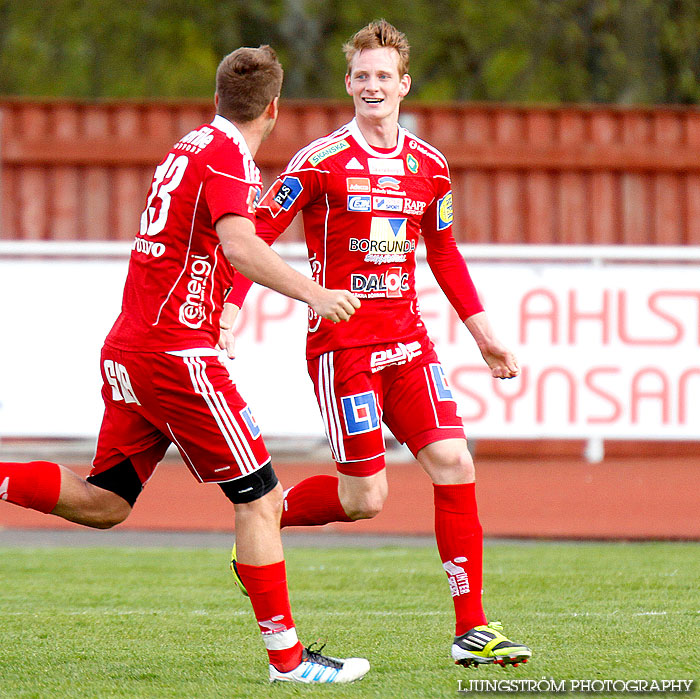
[105, 509]
[111, 515]
[257, 495]
[448, 465]
[274, 501]
[363, 506]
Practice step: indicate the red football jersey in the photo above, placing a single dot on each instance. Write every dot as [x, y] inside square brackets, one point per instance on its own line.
[364, 210]
[178, 275]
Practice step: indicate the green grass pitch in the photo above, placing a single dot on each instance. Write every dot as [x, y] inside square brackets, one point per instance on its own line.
[142, 622]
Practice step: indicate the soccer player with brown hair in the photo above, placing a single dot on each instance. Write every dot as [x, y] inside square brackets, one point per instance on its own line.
[164, 382]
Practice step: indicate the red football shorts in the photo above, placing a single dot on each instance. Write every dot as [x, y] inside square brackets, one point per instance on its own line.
[153, 399]
[401, 384]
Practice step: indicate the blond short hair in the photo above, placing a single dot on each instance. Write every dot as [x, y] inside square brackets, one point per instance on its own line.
[377, 35]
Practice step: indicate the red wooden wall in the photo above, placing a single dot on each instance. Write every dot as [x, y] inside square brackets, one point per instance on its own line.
[571, 175]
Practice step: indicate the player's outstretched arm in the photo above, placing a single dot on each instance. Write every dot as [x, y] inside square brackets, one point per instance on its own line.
[499, 358]
[255, 259]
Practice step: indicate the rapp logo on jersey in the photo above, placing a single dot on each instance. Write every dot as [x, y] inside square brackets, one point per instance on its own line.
[360, 413]
[357, 184]
[385, 166]
[387, 204]
[282, 195]
[444, 212]
[326, 152]
[392, 283]
[359, 202]
[413, 207]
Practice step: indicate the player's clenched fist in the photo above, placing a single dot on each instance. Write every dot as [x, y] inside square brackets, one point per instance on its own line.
[335, 304]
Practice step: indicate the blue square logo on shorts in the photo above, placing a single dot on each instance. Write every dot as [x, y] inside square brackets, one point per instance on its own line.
[360, 413]
[249, 420]
[440, 382]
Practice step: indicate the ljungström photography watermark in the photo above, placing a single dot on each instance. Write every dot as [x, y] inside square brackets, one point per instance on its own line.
[584, 686]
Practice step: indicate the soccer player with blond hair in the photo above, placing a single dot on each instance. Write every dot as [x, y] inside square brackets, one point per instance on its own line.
[367, 192]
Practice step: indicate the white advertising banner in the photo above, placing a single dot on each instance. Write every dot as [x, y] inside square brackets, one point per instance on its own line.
[609, 351]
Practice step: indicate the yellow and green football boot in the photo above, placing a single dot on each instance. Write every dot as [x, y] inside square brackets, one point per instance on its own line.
[486, 645]
[234, 570]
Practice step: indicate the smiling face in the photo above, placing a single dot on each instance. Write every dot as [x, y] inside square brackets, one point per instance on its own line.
[375, 85]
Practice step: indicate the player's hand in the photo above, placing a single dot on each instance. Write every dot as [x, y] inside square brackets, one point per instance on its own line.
[499, 358]
[335, 304]
[227, 338]
[227, 341]
[501, 361]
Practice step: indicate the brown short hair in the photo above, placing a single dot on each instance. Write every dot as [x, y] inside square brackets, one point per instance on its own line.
[247, 80]
[376, 35]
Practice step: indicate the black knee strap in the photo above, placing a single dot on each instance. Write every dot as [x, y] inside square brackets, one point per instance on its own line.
[121, 479]
[251, 487]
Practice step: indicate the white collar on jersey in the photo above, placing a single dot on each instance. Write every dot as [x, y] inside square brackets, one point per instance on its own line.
[230, 129]
[362, 142]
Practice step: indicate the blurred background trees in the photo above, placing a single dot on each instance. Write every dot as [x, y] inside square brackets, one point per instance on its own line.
[552, 51]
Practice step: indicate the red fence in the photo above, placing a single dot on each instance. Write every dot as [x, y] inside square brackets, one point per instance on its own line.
[599, 175]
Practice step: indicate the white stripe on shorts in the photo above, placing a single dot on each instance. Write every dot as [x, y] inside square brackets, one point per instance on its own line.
[329, 406]
[228, 427]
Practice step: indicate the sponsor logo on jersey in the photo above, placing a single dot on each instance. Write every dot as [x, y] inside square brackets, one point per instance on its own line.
[417, 146]
[386, 243]
[385, 166]
[444, 212]
[354, 164]
[387, 204]
[193, 310]
[389, 183]
[148, 247]
[358, 184]
[394, 355]
[326, 152]
[411, 163]
[195, 140]
[253, 198]
[359, 202]
[249, 420]
[388, 284]
[442, 390]
[413, 207]
[282, 195]
[360, 413]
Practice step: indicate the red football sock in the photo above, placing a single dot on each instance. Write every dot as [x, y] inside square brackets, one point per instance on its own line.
[313, 501]
[460, 543]
[267, 587]
[35, 485]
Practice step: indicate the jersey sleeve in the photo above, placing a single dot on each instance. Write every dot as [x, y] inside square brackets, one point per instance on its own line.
[444, 258]
[227, 187]
[290, 193]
